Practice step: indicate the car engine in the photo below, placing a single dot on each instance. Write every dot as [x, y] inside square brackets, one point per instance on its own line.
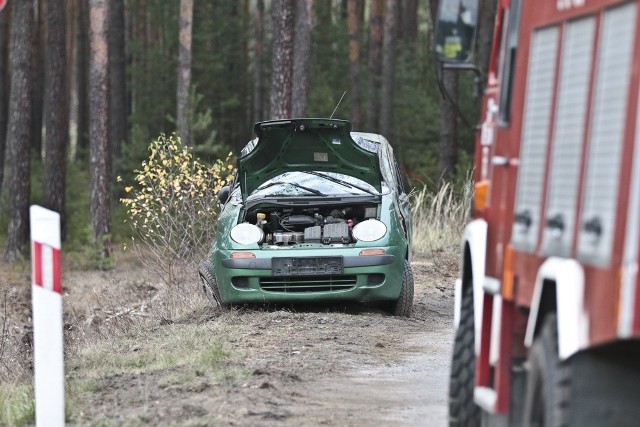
[325, 225]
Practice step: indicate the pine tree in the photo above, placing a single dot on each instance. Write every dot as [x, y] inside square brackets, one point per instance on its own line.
[79, 111]
[388, 65]
[56, 108]
[448, 128]
[37, 75]
[282, 58]
[484, 39]
[258, 63]
[16, 185]
[100, 154]
[118, 109]
[301, 59]
[4, 89]
[354, 61]
[448, 156]
[375, 64]
[408, 28]
[184, 71]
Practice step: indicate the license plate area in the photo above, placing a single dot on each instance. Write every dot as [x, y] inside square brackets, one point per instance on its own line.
[306, 266]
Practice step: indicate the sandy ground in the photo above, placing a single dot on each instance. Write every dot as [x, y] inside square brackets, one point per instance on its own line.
[307, 366]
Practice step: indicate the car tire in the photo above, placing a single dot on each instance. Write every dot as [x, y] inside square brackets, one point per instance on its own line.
[463, 412]
[207, 276]
[403, 306]
[548, 390]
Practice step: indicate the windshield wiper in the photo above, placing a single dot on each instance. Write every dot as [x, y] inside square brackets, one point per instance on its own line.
[341, 182]
[310, 190]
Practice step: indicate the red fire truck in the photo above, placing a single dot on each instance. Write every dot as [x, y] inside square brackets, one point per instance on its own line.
[547, 309]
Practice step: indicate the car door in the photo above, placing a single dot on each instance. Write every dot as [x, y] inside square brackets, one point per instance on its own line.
[401, 201]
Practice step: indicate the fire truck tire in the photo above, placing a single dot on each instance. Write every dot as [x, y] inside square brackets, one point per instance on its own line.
[548, 389]
[463, 412]
[403, 306]
[209, 283]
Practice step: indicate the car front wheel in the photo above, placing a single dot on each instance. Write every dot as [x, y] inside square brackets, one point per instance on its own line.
[207, 276]
[403, 306]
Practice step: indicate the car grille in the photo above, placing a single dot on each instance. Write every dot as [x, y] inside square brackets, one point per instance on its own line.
[307, 284]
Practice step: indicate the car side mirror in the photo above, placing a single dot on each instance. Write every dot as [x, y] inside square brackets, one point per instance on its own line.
[223, 195]
[455, 30]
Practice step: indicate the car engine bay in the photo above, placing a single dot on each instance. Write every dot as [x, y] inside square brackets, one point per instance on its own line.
[294, 225]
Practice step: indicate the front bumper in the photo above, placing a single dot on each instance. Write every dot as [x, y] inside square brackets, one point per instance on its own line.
[363, 278]
[348, 262]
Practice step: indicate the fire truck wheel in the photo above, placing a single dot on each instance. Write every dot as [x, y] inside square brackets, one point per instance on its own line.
[463, 412]
[209, 284]
[548, 390]
[403, 306]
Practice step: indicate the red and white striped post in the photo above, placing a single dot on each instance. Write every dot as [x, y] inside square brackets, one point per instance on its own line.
[46, 291]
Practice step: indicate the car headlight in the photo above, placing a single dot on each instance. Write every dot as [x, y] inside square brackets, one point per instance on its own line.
[246, 234]
[369, 230]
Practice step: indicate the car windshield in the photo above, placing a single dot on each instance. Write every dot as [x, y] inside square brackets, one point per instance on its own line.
[313, 183]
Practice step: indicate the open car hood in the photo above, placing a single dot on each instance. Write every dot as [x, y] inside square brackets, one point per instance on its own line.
[304, 145]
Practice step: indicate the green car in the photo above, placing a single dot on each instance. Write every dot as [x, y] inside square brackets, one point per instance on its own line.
[317, 213]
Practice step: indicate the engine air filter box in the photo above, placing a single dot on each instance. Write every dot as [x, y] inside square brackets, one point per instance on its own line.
[335, 233]
[313, 234]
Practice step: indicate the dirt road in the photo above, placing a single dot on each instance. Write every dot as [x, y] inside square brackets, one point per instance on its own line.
[405, 382]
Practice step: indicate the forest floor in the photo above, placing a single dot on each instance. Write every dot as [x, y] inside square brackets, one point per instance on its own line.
[136, 356]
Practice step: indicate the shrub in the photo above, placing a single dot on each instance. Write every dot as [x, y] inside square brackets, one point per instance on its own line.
[172, 206]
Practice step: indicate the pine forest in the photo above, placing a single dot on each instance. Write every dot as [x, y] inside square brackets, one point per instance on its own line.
[86, 86]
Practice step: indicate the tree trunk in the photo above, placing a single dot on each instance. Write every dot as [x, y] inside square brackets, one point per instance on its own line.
[354, 61]
[409, 21]
[184, 72]
[448, 128]
[100, 153]
[74, 22]
[117, 79]
[37, 73]
[56, 109]
[448, 155]
[388, 66]
[4, 88]
[486, 22]
[17, 163]
[258, 87]
[375, 64]
[80, 93]
[433, 12]
[301, 58]
[70, 19]
[282, 58]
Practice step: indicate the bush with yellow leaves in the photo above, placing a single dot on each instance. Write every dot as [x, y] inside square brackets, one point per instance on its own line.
[172, 206]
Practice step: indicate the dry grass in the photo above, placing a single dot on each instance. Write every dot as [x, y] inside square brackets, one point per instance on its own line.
[143, 350]
[17, 406]
[113, 326]
[100, 309]
[15, 326]
[439, 218]
[16, 393]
